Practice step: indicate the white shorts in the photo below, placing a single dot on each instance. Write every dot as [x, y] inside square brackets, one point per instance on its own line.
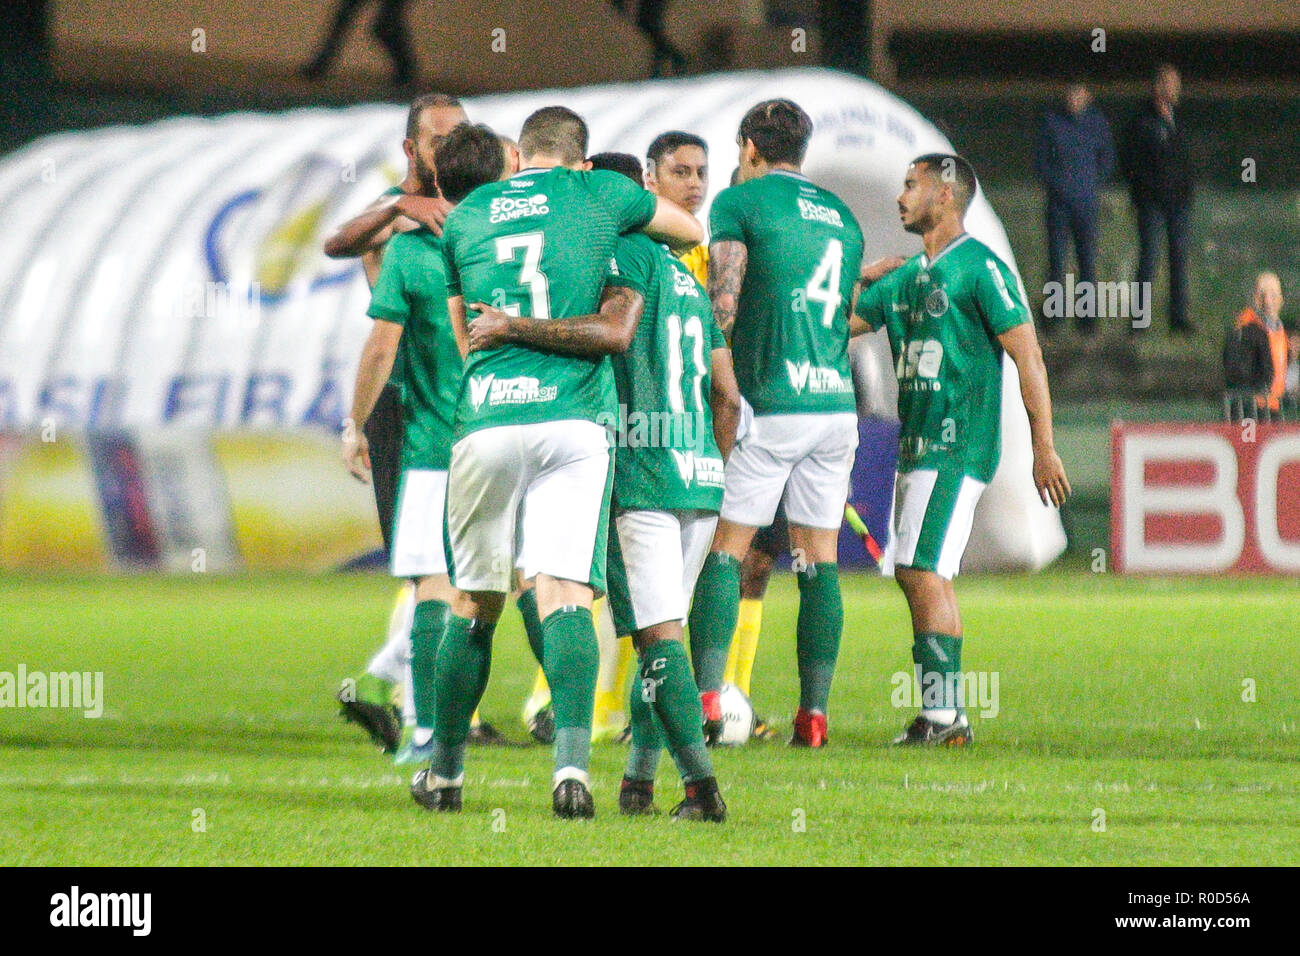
[807, 459]
[417, 531]
[931, 521]
[653, 564]
[540, 492]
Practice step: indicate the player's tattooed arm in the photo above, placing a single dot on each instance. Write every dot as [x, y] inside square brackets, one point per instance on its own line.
[673, 225]
[372, 372]
[727, 262]
[607, 332]
[1021, 344]
[724, 400]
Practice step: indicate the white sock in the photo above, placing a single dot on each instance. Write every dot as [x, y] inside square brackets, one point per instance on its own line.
[392, 658]
[939, 715]
[421, 736]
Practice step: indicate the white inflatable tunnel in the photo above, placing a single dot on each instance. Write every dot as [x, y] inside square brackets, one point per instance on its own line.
[171, 275]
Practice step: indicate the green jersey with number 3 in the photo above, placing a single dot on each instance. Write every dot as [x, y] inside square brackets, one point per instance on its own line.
[943, 318]
[538, 245]
[667, 457]
[791, 336]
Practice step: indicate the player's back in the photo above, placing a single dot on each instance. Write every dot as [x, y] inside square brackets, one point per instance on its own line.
[668, 457]
[791, 334]
[538, 245]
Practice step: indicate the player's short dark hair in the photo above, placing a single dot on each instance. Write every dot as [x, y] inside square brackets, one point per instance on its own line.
[555, 131]
[668, 142]
[955, 170]
[624, 163]
[779, 130]
[426, 101]
[469, 157]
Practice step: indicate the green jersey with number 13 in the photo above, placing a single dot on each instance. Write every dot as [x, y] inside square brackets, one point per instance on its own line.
[791, 336]
[538, 245]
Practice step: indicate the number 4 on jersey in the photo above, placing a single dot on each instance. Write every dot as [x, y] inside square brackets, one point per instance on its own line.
[824, 286]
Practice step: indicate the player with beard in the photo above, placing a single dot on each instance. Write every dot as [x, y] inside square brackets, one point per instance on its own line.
[950, 312]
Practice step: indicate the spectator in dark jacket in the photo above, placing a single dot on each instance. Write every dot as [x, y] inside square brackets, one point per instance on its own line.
[1155, 162]
[1074, 157]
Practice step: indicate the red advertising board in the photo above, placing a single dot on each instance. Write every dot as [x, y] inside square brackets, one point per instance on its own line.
[1204, 498]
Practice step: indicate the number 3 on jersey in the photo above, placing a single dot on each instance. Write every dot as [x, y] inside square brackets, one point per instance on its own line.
[539, 289]
[824, 286]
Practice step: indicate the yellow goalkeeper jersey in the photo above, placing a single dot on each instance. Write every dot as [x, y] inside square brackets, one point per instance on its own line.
[697, 260]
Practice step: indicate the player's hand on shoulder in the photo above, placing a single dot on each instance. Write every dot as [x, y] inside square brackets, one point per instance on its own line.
[1049, 477]
[875, 271]
[489, 329]
[428, 211]
[356, 452]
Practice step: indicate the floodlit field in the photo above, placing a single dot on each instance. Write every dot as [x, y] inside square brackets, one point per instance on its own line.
[1139, 722]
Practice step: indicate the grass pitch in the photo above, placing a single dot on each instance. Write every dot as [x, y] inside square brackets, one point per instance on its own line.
[1123, 702]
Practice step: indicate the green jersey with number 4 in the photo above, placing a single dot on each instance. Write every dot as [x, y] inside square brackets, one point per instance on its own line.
[538, 245]
[791, 336]
[944, 318]
[412, 291]
[667, 457]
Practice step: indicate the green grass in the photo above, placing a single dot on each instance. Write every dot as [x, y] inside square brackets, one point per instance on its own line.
[1121, 695]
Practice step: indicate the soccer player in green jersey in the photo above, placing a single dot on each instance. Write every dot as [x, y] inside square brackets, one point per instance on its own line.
[783, 261]
[412, 204]
[531, 465]
[950, 312]
[676, 419]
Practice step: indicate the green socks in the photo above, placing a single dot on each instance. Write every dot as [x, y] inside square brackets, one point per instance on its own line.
[571, 659]
[666, 677]
[527, 604]
[643, 756]
[713, 618]
[821, 621]
[460, 677]
[426, 634]
[938, 674]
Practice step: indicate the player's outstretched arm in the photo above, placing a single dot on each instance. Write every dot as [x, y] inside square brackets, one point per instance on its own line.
[372, 372]
[673, 225]
[724, 400]
[375, 225]
[607, 332]
[727, 263]
[1021, 344]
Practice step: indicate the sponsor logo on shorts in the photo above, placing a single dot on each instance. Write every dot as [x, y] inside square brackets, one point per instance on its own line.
[819, 213]
[706, 472]
[522, 390]
[815, 380]
[510, 208]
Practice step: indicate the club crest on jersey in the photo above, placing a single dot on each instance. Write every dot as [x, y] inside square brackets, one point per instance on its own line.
[804, 376]
[936, 303]
[510, 208]
[522, 390]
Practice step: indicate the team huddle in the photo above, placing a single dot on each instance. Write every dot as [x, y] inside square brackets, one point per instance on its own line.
[568, 394]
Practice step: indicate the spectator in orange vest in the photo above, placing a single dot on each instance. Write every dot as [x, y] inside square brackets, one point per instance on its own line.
[1267, 314]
